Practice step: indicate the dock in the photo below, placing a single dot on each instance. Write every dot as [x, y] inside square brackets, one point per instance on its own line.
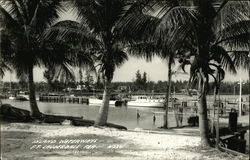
[64, 99]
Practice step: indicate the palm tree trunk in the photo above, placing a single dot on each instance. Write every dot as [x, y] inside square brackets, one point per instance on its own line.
[103, 111]
[213, 113]
[168, 93]
[203, 120]
[248, 80]
[32, 95]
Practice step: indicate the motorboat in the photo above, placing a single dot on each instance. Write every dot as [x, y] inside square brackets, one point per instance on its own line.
[97, 100]
[146, 101]
[12, 97]
[22, 96]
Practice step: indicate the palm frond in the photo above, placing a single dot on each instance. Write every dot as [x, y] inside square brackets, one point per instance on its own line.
[145, 49]
[220, 55]
[176, 17]
[9, 21]
[235, 35]
[231, 13]
[71, 33]
[241, 59]
[165, 6]
[136, 26]
[51, 9]
[4, 67]
[16, 9]
[62, 72]
[100, 15]
[85, 59]
[120, 57]
[222, 5]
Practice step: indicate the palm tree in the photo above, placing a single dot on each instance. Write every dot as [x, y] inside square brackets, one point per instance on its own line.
[100, 22]
[213, 34]
[155, 27]
[94, 36]
[25, 46]
[171, 44]
[210, 39]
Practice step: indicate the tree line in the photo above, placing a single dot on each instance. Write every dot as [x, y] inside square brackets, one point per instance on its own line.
[227, 88]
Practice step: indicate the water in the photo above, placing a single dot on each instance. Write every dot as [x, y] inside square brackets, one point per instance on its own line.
[126, 116]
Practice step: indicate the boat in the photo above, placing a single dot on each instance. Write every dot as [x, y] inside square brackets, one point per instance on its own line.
[12, 97]
[98, 100]
[146, 101]
[22, 96]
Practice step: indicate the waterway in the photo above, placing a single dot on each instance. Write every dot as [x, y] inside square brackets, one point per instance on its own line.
[126, 116]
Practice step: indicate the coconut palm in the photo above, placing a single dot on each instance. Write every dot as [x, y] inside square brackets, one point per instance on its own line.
[24, 24]
[214, 28]
[95, 35]
[100, 23]
[212, 37]
[158, 37]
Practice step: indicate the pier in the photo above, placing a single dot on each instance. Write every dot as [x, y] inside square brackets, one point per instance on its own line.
[64, 99]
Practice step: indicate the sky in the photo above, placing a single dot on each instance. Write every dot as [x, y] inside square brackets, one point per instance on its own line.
[156, 70]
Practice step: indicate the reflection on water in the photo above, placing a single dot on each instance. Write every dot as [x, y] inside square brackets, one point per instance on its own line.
[126, 116]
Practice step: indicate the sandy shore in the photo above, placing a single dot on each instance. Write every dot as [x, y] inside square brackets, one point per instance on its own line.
[43, 141]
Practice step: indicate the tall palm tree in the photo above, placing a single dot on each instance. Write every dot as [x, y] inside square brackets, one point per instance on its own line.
[210, 39]
[158, 35]
[24, 23]
[171, 41]
[95, 36]
[102, 19]
[215, 28]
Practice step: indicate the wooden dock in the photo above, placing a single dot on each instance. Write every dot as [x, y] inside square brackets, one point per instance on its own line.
[64, 99]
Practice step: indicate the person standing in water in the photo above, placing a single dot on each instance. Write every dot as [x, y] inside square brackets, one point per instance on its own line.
[137, 114]
[154, 118]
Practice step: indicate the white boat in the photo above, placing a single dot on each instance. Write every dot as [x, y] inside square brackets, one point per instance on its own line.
[145, 101]
[11, 97]
[24, 96]
[96, 101]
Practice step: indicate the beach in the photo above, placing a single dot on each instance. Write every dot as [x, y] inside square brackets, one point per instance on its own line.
[51, 141]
